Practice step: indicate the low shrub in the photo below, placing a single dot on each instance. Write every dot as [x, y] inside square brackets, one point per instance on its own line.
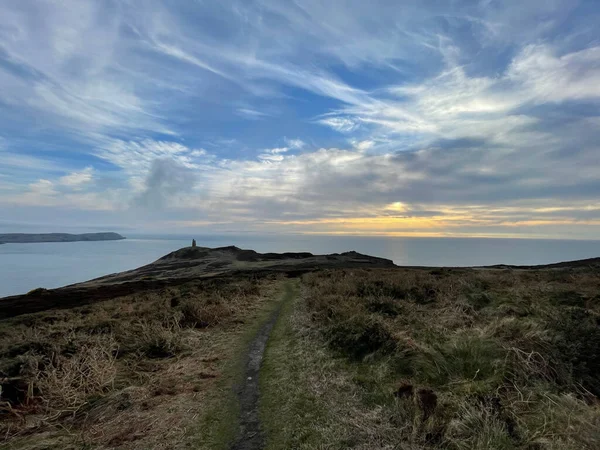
[202, 314]
[462, 358]
[512, 356]
[379, 288]
[386, 306]
[568, 298]
[479, 300]
[359, 336]
[422, 294]
[560, 422]
[66, 382]
[159, 341]
[61, 380]
[576, 347]
[476, 427]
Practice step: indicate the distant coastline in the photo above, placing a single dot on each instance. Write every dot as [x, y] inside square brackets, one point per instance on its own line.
[30, 238]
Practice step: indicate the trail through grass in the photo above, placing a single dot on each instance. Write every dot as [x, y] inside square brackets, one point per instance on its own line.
[445, 358]
[151, 370]
[351, 358]
[222, 424]
[251, 435]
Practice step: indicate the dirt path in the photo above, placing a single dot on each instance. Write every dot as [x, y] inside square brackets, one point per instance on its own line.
[250, 435]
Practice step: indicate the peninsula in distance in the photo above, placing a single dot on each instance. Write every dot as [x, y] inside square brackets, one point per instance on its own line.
[25, 238]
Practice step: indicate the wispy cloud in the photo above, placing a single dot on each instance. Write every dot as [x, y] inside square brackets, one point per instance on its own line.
[295, 143]
[462, 117]
[76, 180]
[43, 188]
[252, 113]
[341, 124]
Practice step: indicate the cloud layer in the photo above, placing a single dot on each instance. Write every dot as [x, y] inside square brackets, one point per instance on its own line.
[466, 118]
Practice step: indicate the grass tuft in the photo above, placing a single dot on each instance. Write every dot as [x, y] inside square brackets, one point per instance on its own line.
[132, 372]
[455, 358]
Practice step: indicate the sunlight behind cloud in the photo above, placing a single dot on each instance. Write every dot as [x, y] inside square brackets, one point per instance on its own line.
[462, 118]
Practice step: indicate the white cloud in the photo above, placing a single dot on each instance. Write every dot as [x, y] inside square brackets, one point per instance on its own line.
[89, 98]
[273, 154]
[198, 153]
[295, 143]
[339, 183]
[278, 150]
[270, 157]
[43, 188]
[75, 180]
[136, 157]
[455, 105]
[341, 124]
[276, 154]
[363, 145]
[546, 77]
[109, 92]
[432, 83]
[185, 56]
[251, 113]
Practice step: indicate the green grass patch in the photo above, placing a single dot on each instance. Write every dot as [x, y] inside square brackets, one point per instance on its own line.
[468, 359]
[294, 412]
[463, 358]
[219, 424]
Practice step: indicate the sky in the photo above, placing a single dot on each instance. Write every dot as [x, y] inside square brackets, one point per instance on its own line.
[472, 118]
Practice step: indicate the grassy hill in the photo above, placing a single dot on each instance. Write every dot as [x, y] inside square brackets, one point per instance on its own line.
[363, 355]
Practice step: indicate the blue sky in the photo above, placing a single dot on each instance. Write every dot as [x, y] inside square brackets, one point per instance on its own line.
[417, 118]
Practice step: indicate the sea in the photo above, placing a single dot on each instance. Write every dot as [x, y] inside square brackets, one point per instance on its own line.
[49, 265]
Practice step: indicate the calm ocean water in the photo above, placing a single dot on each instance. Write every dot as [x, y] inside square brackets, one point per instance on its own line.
[27, 266]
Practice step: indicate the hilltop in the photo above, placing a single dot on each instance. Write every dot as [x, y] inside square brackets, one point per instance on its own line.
[193, 262]
[181, 266]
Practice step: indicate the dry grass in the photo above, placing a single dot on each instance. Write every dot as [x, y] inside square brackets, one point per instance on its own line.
[365, 359]
[132, 372]
[307, 400]
[457, 359]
